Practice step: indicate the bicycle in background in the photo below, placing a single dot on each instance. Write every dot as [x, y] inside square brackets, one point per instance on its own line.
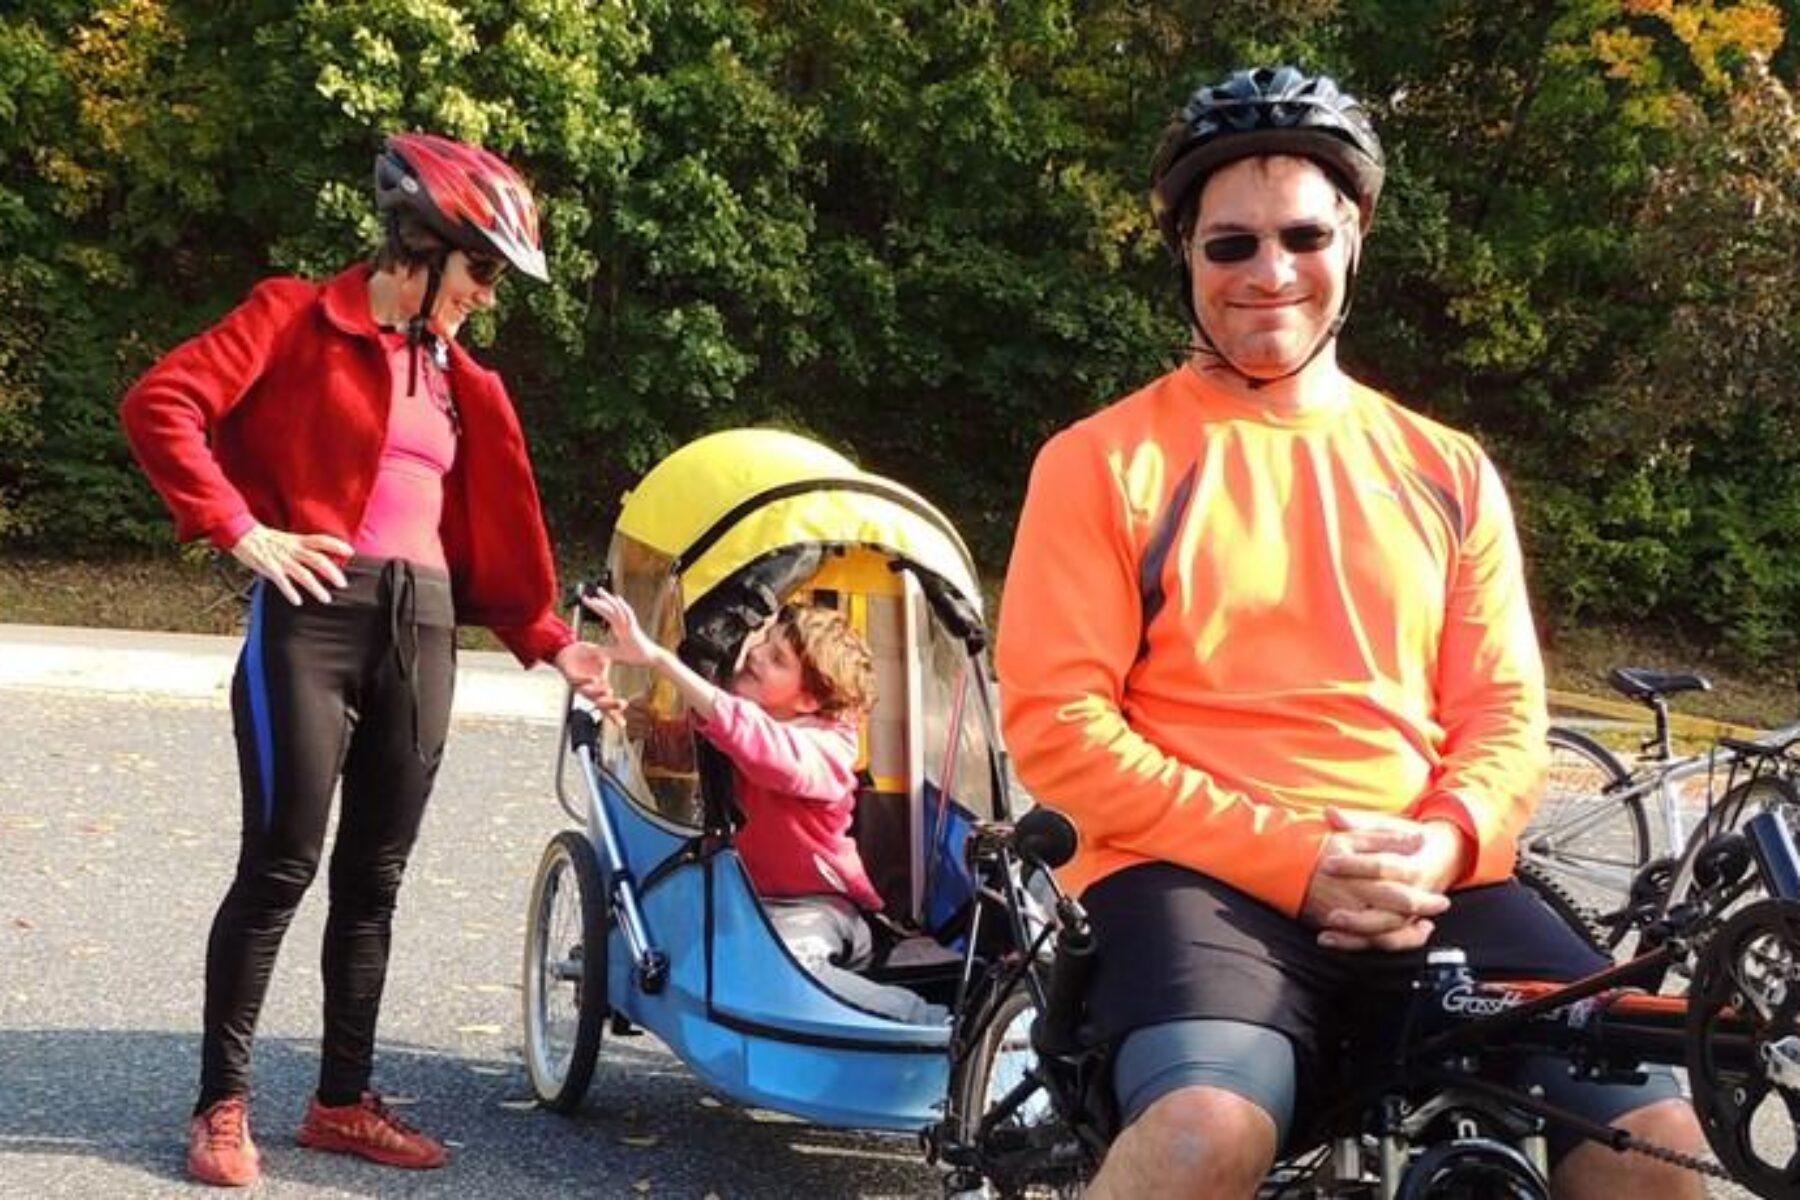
[1610, 845]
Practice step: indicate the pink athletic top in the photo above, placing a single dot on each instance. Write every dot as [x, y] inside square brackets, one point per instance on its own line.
[407, 500]
[796, 782]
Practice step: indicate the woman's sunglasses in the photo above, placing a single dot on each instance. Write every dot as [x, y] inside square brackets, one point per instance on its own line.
[486, 270]
[1309, 237]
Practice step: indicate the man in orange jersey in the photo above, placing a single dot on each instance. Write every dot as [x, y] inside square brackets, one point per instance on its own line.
[1265, 638]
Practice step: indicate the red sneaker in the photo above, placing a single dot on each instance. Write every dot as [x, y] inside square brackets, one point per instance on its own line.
[220, 1151]
[371, 1130]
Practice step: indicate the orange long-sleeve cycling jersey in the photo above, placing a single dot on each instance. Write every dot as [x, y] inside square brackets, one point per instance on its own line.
[1336, 616]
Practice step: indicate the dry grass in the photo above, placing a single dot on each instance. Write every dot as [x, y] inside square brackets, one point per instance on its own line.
[190, 593]
[1578, 661]
[177, 595]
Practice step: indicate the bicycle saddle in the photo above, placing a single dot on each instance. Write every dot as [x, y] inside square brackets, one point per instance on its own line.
[1642, 683]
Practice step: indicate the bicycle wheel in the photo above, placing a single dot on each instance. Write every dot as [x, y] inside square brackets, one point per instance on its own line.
[1600, 938]
[1005, 1114]
[565, 972]
[1589, 835]
[1764, 793]
[1472, 1169]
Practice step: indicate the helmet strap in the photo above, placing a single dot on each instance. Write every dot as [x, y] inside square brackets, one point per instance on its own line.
[418, 328]
[1206, 346]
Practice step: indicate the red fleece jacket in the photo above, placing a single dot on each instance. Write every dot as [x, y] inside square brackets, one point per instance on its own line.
[279, 412]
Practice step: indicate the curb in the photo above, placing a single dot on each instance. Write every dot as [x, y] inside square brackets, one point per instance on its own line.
[197, 667]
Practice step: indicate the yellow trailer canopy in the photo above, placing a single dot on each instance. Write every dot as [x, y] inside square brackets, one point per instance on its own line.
[721, 502]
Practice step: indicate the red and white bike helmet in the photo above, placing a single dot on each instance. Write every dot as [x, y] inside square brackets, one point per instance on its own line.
[465, 194]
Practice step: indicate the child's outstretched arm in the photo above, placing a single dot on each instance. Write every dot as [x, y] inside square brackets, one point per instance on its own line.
[808, 763]
[634, 647]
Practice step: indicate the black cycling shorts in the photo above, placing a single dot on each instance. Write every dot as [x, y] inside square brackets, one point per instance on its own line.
[1175, 945]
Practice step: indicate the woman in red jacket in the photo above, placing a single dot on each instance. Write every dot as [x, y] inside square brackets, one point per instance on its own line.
[338, 441]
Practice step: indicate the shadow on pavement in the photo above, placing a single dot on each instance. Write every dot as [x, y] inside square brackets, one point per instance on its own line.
[114, 1105]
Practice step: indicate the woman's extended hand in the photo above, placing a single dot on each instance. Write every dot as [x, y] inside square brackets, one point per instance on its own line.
[583, 666]
[631, 645]
[292, 561]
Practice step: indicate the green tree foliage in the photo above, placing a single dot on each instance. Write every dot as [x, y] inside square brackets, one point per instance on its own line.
[1710, 410]
[981, 255]
[1514, 287]
[916, 228]
[32, 100]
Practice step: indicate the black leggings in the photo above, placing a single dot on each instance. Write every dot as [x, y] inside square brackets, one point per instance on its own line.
[360, 688]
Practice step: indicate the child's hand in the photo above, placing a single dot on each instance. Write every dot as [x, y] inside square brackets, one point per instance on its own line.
[640, 722]
[631, 645]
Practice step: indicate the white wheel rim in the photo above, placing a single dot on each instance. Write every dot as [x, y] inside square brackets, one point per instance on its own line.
[1013, 1057]
[555, 975]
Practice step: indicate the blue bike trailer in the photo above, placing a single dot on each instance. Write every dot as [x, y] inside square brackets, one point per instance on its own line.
[705, 548]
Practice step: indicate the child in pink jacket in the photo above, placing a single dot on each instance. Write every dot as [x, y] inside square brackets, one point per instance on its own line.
[788, 723]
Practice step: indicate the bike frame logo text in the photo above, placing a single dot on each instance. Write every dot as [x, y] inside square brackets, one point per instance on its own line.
[1465, 1000]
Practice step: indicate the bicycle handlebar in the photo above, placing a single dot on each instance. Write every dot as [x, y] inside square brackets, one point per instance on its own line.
[1045, 837]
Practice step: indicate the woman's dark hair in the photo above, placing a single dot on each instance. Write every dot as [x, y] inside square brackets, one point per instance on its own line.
[408, 244]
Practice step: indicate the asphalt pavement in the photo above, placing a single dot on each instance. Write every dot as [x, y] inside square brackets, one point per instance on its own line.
[118, 832]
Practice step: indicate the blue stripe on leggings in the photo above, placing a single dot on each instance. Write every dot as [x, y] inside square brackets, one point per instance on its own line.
[258, 688]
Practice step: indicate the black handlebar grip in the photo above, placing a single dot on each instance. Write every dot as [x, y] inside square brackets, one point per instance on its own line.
[584, 730]
[1046, 837]
[583, 588]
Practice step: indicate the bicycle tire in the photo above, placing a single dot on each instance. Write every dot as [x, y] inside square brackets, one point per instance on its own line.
[1472, 1168]
[1587, 835]
[999, 1060]
[1595, 934]
[564, 991]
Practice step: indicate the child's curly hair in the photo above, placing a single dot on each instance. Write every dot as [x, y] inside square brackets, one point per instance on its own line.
[836, 664]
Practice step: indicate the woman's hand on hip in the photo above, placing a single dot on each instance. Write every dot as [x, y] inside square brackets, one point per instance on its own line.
[292, 561]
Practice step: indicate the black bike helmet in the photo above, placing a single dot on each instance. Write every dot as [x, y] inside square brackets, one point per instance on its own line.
[1269, 110]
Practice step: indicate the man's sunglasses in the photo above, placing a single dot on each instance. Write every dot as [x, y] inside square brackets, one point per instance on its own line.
[486, 270]
[1309, 237]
